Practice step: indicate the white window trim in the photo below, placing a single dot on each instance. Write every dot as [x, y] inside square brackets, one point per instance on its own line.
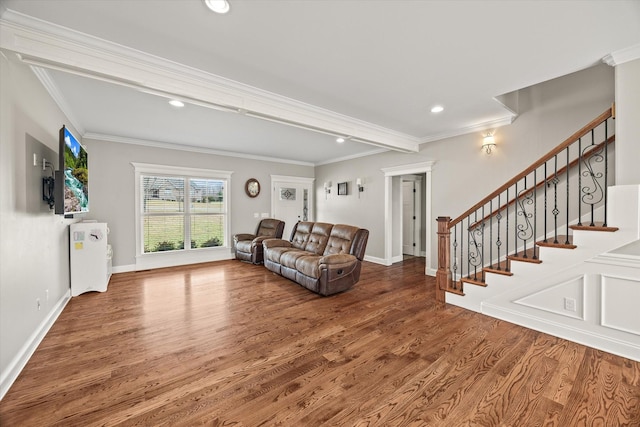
[145, 261]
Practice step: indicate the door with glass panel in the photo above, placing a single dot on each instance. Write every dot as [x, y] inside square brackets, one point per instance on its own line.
[291, 200]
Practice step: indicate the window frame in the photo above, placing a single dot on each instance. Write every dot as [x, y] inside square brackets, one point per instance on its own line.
[186, 255]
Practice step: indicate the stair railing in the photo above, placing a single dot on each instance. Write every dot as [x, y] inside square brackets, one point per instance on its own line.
[540, 202]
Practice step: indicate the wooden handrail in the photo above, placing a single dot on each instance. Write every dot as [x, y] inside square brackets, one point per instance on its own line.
[561, 171]
[567, 142]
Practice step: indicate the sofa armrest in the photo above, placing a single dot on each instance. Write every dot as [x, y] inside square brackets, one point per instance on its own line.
[337, 259]
[274, 243]
[240, 237]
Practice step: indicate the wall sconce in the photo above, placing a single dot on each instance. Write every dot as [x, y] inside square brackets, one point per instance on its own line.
[327, 188]
[359, 185]
[488, 144]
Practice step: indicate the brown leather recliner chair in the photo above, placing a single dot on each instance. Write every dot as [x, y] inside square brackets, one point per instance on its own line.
[248, 247]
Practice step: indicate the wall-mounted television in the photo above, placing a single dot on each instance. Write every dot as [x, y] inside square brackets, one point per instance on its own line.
[72, 176]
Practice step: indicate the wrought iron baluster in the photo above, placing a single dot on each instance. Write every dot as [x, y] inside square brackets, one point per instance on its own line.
[506, 231]
[468, 246]
[555, 210]
[491, 232]
[592, 193]
[498, 241]
[567, 216]
[482, 248]
[462, 250]
[606, 170]
[579, 180]
[515, 225]
[524, 229]
[546, 184]
[455, 256]
[535, 211]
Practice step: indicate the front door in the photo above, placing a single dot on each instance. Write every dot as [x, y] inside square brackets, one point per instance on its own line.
[291, 200]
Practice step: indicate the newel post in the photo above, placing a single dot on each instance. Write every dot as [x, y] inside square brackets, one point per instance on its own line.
[443, 275]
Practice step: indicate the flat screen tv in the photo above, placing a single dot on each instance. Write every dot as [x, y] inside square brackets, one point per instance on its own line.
[72, 177]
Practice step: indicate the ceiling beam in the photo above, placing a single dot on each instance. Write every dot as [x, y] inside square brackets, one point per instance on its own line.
[48, 45]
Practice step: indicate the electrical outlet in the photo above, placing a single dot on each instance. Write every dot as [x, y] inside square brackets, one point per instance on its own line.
[44, 163]
[35, 159]
[570, 304]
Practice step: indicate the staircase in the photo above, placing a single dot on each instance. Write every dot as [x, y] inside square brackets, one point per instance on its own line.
[536, 251]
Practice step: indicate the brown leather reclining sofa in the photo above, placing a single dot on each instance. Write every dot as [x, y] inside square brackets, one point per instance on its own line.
[324, 258]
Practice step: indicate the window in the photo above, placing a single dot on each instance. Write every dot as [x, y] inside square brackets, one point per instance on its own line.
[180, 210]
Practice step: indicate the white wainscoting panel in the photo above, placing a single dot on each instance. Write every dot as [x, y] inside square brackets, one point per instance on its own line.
[619, 303]
[553, 299]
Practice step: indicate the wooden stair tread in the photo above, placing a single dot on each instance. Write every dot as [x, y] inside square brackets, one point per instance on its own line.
[527, 256]
[472, 281]
[598, 226]
[499, 268]
[457, 291]
[562, 242]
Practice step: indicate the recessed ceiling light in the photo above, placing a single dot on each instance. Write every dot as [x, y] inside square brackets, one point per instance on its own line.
[176, 103]
[437, 109]
[218, 6]
[340, 140]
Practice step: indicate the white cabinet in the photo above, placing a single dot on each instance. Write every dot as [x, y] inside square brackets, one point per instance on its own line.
[90, 257]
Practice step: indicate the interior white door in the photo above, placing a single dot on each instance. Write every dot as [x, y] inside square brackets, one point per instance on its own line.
[408, 218]
[292, 202]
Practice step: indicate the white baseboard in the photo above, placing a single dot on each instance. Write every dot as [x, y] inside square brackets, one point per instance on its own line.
[376, 260]
[20, 361]
[397, 258]
[176, 258]
[430, 272]
[591, 339]
[124, 268]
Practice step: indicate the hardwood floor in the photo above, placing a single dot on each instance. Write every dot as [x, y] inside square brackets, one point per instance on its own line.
[231, 344]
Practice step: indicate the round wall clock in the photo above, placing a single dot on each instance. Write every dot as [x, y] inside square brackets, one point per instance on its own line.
[252, 187]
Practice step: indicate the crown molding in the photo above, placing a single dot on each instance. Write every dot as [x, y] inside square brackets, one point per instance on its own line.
[49, 45]
[623, 55]
[189, 148]
[491, 124]
[58, 97]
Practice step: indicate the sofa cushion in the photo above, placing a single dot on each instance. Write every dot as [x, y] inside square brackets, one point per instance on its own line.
[309, 265]
[269, 228]
[275, 253]
[341, 239]
[318, 238]
[301, 235]
[288, 259]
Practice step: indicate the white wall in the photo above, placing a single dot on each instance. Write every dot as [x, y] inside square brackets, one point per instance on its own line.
[462, 174]
[628, 122]
[112, 188]
[34, 255]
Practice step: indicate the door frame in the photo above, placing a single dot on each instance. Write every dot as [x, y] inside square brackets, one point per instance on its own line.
[284, 179]
[389, 173]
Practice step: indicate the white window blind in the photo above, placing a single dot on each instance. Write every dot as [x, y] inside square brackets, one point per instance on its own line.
[182, 213]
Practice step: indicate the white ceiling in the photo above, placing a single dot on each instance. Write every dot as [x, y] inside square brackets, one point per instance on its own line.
[384, 63]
